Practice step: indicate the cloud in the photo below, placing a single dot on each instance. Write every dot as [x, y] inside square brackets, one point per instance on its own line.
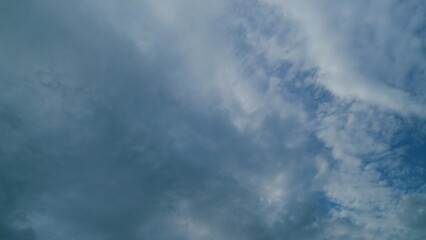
[212, 120]
[353, 54]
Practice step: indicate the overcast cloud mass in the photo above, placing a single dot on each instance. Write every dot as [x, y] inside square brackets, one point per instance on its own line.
[212, 119]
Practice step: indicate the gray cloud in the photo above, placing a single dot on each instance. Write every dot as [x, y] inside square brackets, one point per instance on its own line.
[152, 120]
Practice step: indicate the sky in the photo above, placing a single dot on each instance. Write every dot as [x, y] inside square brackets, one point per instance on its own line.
[213, 119]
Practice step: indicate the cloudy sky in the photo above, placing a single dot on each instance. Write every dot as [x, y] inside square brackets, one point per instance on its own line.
[213, 120]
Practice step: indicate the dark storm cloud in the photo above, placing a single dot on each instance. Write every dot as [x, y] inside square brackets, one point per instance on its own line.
[95, 144]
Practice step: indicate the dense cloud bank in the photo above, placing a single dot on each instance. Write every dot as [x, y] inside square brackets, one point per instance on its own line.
[269, 119]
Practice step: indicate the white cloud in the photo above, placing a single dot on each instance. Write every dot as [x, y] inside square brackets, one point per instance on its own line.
[332, 31]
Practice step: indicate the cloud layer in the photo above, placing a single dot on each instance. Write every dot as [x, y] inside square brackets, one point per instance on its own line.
[268, 119]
